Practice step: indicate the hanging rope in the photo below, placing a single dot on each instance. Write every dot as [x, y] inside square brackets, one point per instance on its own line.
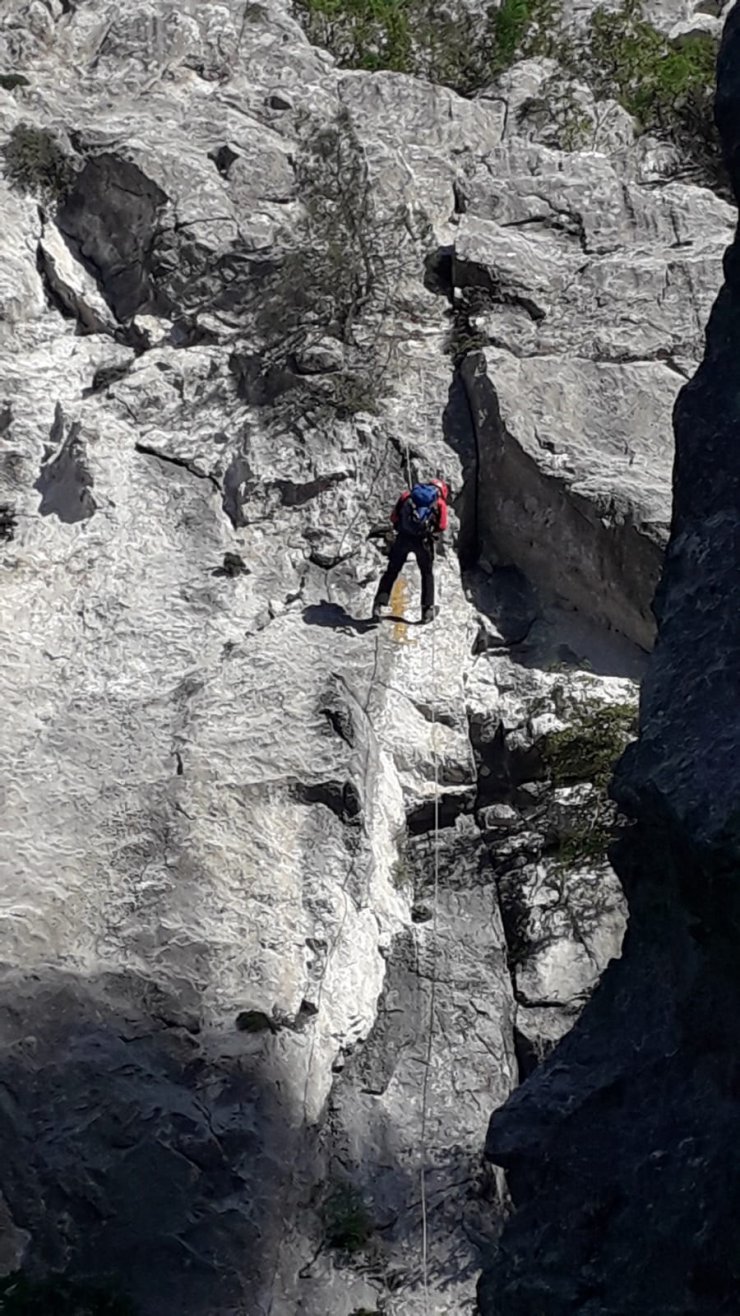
[433, 965]
[432, 998]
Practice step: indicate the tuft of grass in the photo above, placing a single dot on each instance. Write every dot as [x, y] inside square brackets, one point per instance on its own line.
[347, 1223]
[402, 874]
[35, 163]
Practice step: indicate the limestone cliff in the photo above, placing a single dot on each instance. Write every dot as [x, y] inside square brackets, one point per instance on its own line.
[620, 1151]
[245, 295]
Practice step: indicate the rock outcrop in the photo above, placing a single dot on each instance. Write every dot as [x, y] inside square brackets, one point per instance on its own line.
[650, 1068]
[245, 998]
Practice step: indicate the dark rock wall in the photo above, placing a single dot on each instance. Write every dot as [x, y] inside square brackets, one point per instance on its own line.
[622, 1149]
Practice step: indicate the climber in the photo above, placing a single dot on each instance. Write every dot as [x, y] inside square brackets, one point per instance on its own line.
[419, 515]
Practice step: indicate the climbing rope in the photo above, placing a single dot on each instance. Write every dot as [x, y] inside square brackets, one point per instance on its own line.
[432, 977]
[432, 998]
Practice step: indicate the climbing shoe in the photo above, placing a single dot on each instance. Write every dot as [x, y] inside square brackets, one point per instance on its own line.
[428, 615]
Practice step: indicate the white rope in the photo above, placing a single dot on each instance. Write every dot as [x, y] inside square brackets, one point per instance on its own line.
[432, 997]
[433, 966]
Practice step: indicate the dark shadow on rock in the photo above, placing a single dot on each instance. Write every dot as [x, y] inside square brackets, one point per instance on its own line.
[65, 482]
[374, 1108]
[630, 1129]
[543, 634]
[507, 598]
[438, 277]
[459, 434]
[336, 617]
[135, 1154]
[111, 219]
[233, 565]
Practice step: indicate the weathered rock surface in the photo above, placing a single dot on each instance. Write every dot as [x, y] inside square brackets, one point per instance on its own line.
[221, 951]
[650, 1069]
[572, 399]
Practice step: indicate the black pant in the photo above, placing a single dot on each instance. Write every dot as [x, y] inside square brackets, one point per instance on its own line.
[423, 549]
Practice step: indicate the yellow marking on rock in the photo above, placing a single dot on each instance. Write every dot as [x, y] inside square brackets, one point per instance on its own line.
[399, 601]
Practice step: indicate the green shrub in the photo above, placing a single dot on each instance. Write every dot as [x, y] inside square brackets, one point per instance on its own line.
[406, 36]
[347, 1223]
[35, 163]
[340, 278]
[627, 59]
[402, 872]
[523, 28]
[57, 1296]
[589, 840]
[335, 262]
[369, 34]
[668, 88]
[9, 81]
[588, 749]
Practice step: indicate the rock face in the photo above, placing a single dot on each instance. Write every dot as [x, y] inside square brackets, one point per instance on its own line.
[651, 1066]
[246, 998]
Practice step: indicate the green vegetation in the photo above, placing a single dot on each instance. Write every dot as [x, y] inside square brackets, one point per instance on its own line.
[667, 87]
[350, 254]
[347, 1223]
[9, 81]
[406, 36]
[590, 836]
[586, 752]
[627, 59]
[35, 163]
[524, 28]
[371, 34]
[588, 749]
[57, 1296]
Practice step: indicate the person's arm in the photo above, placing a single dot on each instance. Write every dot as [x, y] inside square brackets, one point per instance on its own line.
[441, 516]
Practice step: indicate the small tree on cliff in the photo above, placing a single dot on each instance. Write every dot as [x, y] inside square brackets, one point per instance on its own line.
[343, 269]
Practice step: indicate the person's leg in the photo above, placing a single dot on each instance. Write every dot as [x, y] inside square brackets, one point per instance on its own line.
[396, 558]
[425, 558]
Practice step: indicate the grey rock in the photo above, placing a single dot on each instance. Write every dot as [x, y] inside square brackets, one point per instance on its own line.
[377, 1103]
[318, 358]
[545, 107]
[216, 972]
[598, 398]
[75, 288]
[645, 1068]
